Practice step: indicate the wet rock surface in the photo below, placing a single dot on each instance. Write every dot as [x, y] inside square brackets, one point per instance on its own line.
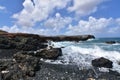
[110, 42]
[28, 67]
[102, 62]
[53, 53]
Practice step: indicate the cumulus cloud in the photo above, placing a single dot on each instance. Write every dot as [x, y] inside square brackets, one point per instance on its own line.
[17, 29]
[57, 23]
[98, 27]
[37, 10]
[84, 7]
[40, 11]
[31, 30]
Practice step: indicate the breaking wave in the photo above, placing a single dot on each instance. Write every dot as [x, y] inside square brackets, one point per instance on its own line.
[82, 56]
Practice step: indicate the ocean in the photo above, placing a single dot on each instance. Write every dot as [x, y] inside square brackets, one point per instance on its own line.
[83, 52]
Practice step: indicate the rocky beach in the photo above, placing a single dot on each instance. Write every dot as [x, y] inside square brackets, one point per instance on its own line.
[23, 57]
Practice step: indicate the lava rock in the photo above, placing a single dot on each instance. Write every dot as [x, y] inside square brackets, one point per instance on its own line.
[10, 70]
[27, 63]
[52, 53]
[110, 42]
[70, 38]
[102, 62]
[20, 41]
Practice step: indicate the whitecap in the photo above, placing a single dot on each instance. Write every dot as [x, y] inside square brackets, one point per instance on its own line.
[83, 56]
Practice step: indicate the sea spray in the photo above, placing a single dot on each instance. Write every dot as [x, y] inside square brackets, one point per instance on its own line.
[82, 53]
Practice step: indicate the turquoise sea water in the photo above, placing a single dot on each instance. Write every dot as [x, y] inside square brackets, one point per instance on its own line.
[99, 42]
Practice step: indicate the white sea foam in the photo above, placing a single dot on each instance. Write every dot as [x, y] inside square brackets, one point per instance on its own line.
[62, 44]
[90, 39]
[83, 56]
[116, 44]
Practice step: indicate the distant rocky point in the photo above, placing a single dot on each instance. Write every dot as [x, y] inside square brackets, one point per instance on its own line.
[46, 38]
[3, 32]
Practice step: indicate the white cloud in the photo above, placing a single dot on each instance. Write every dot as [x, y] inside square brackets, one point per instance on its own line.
[118, 21]
[114, 30]
[17, 29]
[37, 11]
[98, 27]
[84, 7]
[2, 8]
[58, 22]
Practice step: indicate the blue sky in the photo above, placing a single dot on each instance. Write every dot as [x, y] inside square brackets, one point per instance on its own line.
[61, 17]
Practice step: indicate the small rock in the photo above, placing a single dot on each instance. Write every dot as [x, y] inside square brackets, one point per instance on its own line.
[110, 42]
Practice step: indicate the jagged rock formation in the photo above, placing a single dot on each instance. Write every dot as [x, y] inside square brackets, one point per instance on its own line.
[15, 42]
[102, 62]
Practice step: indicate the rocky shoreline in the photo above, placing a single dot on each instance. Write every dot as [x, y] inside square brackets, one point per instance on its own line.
[20, 56]
[47, 71]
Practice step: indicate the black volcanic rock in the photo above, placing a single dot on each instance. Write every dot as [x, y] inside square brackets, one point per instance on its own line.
[53, 53]
[26, 42]
[27, 63]
[110, 42]
[102, 62]
[70, 38]
[14, 70]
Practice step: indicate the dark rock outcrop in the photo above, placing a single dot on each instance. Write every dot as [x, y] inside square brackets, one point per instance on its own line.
[102, 62]
[20, 67]
[110, 42]
[70, 38]
[26, 42]
[29, 42]
[3, 32]
[53, 53]
[10, 71]
[27, 63]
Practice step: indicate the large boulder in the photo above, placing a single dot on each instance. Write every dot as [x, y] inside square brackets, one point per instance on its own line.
[102, 62]
[53, 53]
